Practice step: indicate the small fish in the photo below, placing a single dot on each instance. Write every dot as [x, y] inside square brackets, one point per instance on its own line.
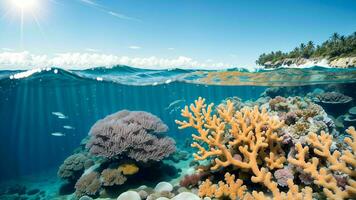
[58, 134]
[59, 115]
[174, 103]
[68, 127]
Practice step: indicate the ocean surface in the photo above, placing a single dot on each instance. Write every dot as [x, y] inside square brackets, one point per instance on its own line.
[45, 113]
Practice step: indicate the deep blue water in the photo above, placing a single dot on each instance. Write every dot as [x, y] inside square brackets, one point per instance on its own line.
[26, 106]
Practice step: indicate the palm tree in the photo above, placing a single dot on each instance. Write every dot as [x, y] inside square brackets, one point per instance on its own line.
[335, 37]
[310, 44]
[302, 46]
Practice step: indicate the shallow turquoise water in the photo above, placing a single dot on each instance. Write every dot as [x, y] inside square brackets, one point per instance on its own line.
[35, 105]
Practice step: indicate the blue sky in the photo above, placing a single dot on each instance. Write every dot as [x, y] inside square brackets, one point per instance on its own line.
[226, 33]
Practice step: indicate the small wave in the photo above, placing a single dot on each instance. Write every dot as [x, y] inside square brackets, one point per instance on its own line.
[134, 76]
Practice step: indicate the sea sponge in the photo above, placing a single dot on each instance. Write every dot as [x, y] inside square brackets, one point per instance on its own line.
[131, 134]
[89, 184]
[128, 169]
[112, 177]
[73, 167]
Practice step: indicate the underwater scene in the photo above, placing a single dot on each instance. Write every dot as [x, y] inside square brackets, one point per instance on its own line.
[129, 134]
[177, 100]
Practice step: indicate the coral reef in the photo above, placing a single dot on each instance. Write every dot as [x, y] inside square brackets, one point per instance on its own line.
[89, 184]
[192, 180]
[249, 133]
[232, 189]
[120, 145]
[333, 98]
[112, 177]
[334, 103]
[283, 175]
[301, 116]
[249, 142]
[132, 134]
[327, 175]
[73, 167]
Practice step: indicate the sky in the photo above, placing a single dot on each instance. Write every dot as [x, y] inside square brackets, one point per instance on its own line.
[162, 33]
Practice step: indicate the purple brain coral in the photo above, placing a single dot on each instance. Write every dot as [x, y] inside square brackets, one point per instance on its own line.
[134, 134]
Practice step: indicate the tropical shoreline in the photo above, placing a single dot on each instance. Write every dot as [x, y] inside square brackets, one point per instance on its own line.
[345, 62]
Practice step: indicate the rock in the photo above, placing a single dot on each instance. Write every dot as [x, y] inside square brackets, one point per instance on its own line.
[186, 196]
[85, 198]
[162, 198]
[343, 62]
[16, 189]
[143, 194]
[182, 189]
[195, 191]
[142, 187]
[129, 195]
[163, 187]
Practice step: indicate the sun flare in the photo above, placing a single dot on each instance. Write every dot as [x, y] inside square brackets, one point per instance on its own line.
[25, 4]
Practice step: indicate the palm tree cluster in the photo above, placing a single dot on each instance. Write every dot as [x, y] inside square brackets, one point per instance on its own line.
[335, 47]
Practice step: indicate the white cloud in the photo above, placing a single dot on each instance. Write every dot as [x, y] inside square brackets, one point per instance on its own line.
[26, 60]
[92, 50]
[134, 47]
[7, 49]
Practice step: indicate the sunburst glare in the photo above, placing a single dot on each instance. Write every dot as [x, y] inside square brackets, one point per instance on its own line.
[25, 5]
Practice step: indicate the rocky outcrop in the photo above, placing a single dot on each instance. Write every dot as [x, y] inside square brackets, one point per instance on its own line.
[346, 62]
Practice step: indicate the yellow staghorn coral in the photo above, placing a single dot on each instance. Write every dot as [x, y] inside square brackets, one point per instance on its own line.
[337, 162]
[236, 190]
[237, 138]
[128, 169]
[231, 188]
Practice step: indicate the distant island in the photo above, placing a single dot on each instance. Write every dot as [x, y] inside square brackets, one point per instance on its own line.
[338, 51]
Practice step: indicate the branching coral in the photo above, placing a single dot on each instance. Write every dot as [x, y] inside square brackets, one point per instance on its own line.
[234, 189]
[131, 134]
[249, 133]
[231, 188]
[336, 162]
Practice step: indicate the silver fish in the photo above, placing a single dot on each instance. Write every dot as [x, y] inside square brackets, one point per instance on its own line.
[58, 134]
[68, 127]
[174, 103]
[59, 115]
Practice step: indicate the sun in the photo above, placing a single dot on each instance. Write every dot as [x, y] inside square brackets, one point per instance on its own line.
[25, 5]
